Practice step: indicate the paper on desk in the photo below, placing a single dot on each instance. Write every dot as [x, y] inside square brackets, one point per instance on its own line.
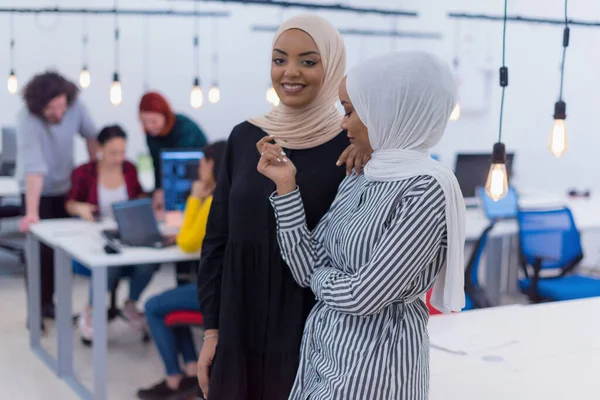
[477, 342]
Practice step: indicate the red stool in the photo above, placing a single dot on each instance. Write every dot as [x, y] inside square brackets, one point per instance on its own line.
[184, 318]
[432, 311]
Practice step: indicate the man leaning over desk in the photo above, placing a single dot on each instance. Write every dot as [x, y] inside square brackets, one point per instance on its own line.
[46, 129]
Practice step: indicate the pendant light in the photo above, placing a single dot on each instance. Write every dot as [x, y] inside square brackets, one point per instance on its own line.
[145, 54]
[455, 115]
[116, 93]
[12, 84]
[214, 93]
[496, 186]
[196, 95]
[558, 134]
[85, 78]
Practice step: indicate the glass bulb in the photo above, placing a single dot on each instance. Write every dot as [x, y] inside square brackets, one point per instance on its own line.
[272, 97]
[116, 94]
[455, 113]
[214, 94]
[12, 84]
[496, 186]
[84, 78]
[558, 138]
[196, 97]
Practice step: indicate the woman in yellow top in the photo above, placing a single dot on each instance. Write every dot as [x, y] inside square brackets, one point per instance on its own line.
[172, 342]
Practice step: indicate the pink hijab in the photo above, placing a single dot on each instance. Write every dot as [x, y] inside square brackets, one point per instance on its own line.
[318, 122]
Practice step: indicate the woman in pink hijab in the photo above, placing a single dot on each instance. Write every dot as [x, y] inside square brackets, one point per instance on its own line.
[254, 312]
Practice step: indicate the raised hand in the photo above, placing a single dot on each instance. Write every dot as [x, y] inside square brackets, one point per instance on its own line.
[275, 165]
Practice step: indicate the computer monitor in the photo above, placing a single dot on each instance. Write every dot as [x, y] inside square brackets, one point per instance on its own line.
[179, 171]
[8, 157]
[472, 170]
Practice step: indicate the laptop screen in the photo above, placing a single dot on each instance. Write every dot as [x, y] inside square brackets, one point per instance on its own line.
[137, 223]
[179, 171]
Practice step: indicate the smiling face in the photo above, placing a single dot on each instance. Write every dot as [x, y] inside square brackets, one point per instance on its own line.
[357, 131]
[56, 109]
[297, 70]
[114, 151]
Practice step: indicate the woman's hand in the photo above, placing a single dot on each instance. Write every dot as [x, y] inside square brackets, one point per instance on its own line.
[354, 157]
[275, 165]
[86, 211]
[207, 355]
[201, 190]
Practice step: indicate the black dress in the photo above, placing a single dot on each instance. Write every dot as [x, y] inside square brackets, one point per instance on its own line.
[245, 288]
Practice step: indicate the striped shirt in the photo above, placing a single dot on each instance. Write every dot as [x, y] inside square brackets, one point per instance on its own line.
[369, 262]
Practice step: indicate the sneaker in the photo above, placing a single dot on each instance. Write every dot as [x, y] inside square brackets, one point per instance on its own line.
[161, 391]
[84, 323]
[133, 316]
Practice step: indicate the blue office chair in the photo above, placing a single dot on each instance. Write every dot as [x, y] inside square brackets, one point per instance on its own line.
[505, 208]
[551, 246]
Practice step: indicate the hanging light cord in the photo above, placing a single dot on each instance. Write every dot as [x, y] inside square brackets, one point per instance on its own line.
[457, 37]
[565, 45]
[196, 42]
[84, 40]
[215, 45]
[503, 72]
[117, 63]
[12, 43]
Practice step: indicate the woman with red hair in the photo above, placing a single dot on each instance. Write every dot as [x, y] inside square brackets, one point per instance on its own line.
[166, 130]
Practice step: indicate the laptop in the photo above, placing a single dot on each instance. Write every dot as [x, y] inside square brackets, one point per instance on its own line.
[137, 225]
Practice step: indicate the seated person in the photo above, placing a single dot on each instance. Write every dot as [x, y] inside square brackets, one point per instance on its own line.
[172, 342]
[95, 186]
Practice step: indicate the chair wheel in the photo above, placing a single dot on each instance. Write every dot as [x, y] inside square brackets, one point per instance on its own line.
[86, 342]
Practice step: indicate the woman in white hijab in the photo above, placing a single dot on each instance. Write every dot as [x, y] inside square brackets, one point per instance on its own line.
[390, 235]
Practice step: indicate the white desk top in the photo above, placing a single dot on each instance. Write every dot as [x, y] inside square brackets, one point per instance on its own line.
[554, 347]
[82, 241]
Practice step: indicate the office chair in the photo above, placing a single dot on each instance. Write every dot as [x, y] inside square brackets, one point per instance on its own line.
[505, 208]
[550, 252]
[12, 211]
[113, 309]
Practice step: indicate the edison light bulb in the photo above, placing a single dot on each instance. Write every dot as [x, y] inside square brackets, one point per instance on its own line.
[214, 94]
[558, 138]
[455, 113]
[497, 182]
[196, 97]
[12, 84]
[496, 186]
[272, 97]
[84, 78]
[116, 94]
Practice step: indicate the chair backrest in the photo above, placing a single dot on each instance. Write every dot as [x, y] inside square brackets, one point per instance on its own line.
[8, 156]
[473, 290]
[505, 208]
[550, 235]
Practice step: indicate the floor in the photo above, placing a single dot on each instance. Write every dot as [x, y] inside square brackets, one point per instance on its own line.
[132, 364]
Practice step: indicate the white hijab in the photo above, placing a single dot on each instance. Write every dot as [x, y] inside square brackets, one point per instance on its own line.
[405, 100]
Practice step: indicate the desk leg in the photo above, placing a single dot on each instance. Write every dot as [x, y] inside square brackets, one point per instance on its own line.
[99, 284]
[493, 269]
[63, 277]
[34, 289]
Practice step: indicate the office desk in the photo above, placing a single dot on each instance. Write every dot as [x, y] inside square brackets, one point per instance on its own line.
[555, 353]
[80, 240]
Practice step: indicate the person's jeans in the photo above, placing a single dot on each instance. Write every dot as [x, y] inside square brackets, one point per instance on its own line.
[139, 277]
[177, 340]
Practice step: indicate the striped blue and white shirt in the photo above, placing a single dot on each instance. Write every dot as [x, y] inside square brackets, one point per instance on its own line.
[369, 262]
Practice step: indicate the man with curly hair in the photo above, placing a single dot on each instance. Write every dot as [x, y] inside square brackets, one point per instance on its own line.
[46, 129]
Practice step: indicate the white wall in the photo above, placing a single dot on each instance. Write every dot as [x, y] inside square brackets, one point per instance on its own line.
[533, 56]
